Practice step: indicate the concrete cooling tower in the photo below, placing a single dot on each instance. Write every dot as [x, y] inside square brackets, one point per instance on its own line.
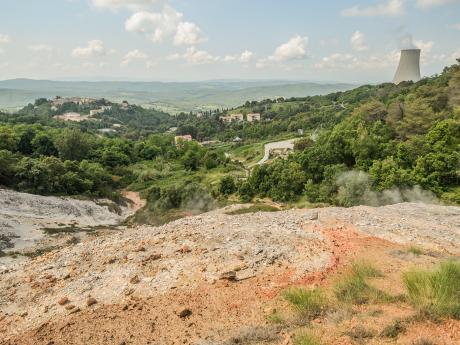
[409, 66]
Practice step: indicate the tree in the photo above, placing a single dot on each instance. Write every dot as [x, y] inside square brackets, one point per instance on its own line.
[44, 145]
[227, 185]
[74, 145]
[25, 142]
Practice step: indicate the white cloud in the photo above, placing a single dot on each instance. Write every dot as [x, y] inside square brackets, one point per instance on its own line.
[358, 42]
[41, 48]
[187, 34]
[159, 26]
[390, 8]
[244, 57]
[194, 56]
[4, 38]
[294, 49]
[133, 55]
[151, 64]
[229, 58]
[426, 47]
[456, 26]
[262, 63]
[155, 26]
[130, 4]
[199, 57]
[456, 54]
[434, 3]
[350, 61]
[94, 48]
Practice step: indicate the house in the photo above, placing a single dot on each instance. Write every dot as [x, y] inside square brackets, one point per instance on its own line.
[237, 140]
[237, 117]
[181, 138]
[95, 112]
[253, 117]
[232, 117]
[73, 117]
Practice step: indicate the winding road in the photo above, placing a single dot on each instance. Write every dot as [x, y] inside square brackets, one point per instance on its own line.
[279, 145]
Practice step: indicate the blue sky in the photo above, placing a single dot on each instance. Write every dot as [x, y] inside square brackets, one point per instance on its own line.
[348, 41]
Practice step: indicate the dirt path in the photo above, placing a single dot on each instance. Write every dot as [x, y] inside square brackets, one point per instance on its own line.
[137, 201]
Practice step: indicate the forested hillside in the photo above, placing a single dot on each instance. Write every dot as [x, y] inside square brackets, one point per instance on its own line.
[371, 145]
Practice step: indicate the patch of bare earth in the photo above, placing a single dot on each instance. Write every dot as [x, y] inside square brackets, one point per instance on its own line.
[211, 278]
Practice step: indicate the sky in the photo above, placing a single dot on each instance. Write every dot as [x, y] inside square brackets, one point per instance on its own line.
[190, 40]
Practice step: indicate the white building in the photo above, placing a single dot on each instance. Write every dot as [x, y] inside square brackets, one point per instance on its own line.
[253, 117]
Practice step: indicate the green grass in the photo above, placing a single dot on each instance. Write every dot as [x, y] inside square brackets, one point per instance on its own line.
[275, 318]
[254, 209]
[306, 339]
[436, 294]
[310, 303]
[354, 288]
[366, 270]
[415, 250]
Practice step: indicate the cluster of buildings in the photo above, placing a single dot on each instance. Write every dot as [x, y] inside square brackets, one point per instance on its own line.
[252, 117]
[101, 109]
[59, 101]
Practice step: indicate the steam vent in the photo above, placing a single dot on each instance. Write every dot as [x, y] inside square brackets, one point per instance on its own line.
[409, 66]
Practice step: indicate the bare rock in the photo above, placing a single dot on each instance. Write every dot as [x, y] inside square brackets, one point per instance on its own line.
[184, 313]
[91, 301]
[230, 276]
[63, 301]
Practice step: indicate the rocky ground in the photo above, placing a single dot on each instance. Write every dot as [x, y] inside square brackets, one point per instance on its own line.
[203, 279]
[24, 217]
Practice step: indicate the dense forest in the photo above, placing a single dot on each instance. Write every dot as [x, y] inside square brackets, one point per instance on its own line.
[371, 145]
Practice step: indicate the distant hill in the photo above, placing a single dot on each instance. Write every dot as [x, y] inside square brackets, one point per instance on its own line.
[169, 96]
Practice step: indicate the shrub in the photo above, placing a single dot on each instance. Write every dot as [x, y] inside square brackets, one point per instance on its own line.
[359, 333]
[227, 185]
[415, 250]
[435, 293]
[393, 330]
[309, 303]
[353, 288]
[306, 339]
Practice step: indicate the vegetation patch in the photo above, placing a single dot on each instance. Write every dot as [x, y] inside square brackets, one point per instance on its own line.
[435, 294]
[310, 303]
[394, 329]
[254, 209]
[416, 251]
[354, 288]
[360, 333]
[306, 339]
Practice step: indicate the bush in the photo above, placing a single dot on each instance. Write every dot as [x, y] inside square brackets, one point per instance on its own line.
[393, 330]
[306, 339]
[435, 293]
[353, 288]
[227, 185]
[309, 303]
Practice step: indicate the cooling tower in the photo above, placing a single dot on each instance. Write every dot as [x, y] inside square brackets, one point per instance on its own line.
[409, 66]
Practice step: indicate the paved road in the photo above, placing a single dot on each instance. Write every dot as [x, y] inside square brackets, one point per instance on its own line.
[279, 145]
